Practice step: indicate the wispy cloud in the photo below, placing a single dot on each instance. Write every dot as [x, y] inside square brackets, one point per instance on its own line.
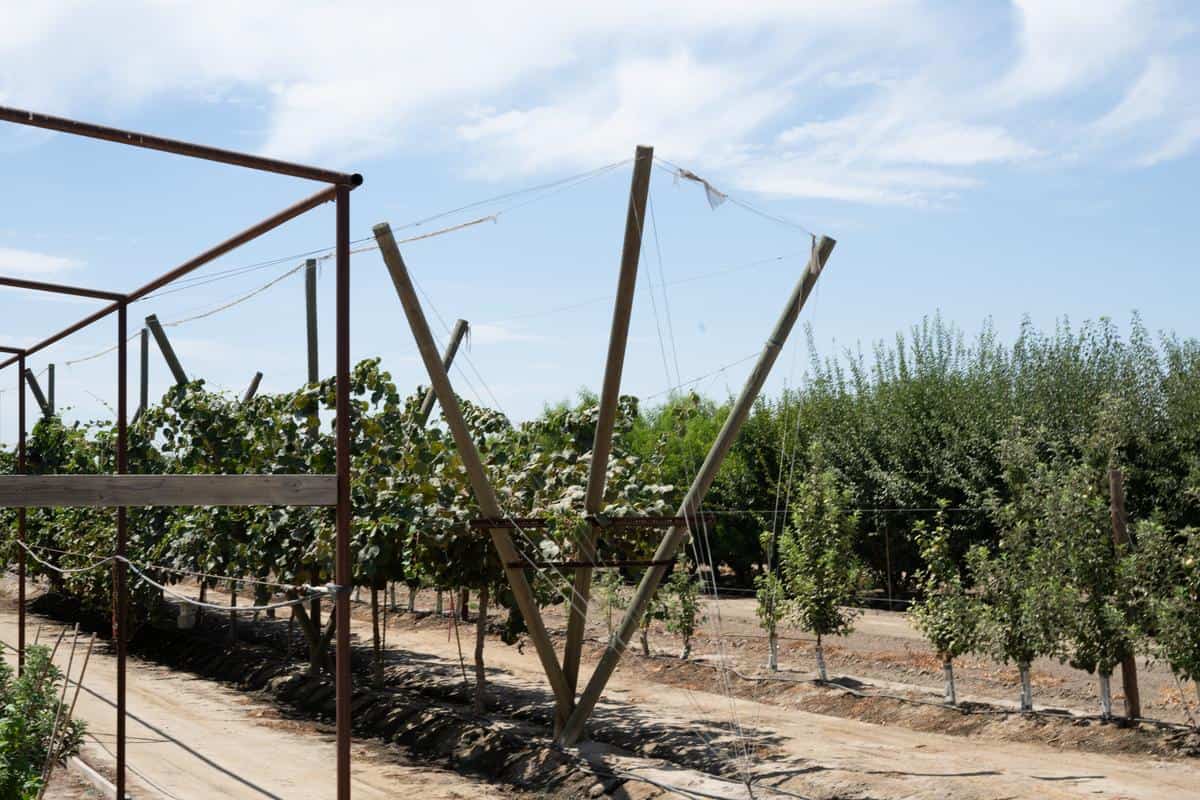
[27, 263]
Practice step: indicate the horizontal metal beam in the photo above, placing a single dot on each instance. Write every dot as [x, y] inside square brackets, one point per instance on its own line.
[59, 491]
[58, 288]
[175, 146]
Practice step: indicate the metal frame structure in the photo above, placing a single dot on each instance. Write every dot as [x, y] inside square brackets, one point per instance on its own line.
[122, 490]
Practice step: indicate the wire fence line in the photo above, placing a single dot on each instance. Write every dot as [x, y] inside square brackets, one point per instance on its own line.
[310, 592]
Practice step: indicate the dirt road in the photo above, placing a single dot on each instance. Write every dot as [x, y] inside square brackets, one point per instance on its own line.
[825, 756]
[189, 738]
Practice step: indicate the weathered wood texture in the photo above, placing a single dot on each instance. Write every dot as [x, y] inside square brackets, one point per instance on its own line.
[48, 491]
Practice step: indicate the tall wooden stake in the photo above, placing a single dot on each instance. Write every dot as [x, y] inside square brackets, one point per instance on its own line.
[1120, 537]
[164, 344]
[690, 506]
[36, 389]
[610, 394]
[482, 488]
[50, 388]
[144, 377]
[252, 389]
[456, 336]
[310, 306]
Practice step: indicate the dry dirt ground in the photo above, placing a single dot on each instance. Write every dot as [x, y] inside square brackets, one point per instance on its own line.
[809, 741]
[191, 738]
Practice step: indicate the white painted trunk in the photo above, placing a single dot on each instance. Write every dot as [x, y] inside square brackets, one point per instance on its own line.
[437, 605]
[1026, 689]
[1105, 696]
[822, 675]
[412, 600]
[773, 652]
[948, 671]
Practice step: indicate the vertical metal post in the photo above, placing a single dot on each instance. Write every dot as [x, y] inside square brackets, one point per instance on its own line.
[342, 562]
[121, 589]
[310, 303]
[610, 395]
[50, 388]
[20, 514]
[690, 506]
[456, 336]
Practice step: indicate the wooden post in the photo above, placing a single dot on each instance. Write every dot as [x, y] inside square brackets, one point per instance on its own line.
[36, 389]
[310, 303]
[50, 388]
[21, 516]
[610, 394]
[1120, 537]
[456, 336]
[164, 344]
[144, 378]
[252, 389]
[485, 496]
[690, 506]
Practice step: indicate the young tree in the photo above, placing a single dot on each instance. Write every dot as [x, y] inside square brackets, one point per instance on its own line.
[821, 573]
[946, 612]
[682, 603]
[1167, 568]
[772, 603]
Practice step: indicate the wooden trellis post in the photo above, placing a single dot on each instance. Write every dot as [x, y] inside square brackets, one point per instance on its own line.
[690, 507]
[164, 344]
[610, 394]
[456, 337]
[481, 487]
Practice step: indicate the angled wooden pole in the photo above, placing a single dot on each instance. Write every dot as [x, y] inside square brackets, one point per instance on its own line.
[36, 389]
[1120, 537]
[164, 344]
[252, 389]
[481, 487]
[690, 506]
[50, 388]
[456, 336]
[610, 394]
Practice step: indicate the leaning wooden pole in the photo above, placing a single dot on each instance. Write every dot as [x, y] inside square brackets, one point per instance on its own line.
[456, 337]
[164, 344]
[610, 393]
[1120, 537]
[482, 488]
[36, 389]
[690, 506]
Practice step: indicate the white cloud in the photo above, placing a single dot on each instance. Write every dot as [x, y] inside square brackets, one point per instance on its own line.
[27, 263]
[878, 101]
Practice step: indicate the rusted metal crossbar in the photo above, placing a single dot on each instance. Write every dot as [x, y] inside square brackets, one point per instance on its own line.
[122, 490]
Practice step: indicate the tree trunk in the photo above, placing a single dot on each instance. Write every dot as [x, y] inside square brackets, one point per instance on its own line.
[822, 675]
[773, 651]
[437, 605]
[392, 596]
[376, 639]
[644, 632]
[948, 671]
[290, 631]
[1026, 688]
[480, 638]
[412, 599]
[1105, 695]
[318, 642]
[464, 599]
[200, 609]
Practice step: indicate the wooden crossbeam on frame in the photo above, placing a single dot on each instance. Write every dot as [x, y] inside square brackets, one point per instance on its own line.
[49, 491]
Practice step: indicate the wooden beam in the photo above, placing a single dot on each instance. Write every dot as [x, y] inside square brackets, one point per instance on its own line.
[168, 352]
[36, 388]
[49, 491]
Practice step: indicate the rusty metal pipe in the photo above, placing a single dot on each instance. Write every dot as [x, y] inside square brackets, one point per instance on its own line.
[58, 288]
[343, 563]
[121, 590]
[181, 148]
[213, 253]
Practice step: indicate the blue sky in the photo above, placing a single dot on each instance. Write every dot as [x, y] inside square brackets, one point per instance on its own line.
[984, 159]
